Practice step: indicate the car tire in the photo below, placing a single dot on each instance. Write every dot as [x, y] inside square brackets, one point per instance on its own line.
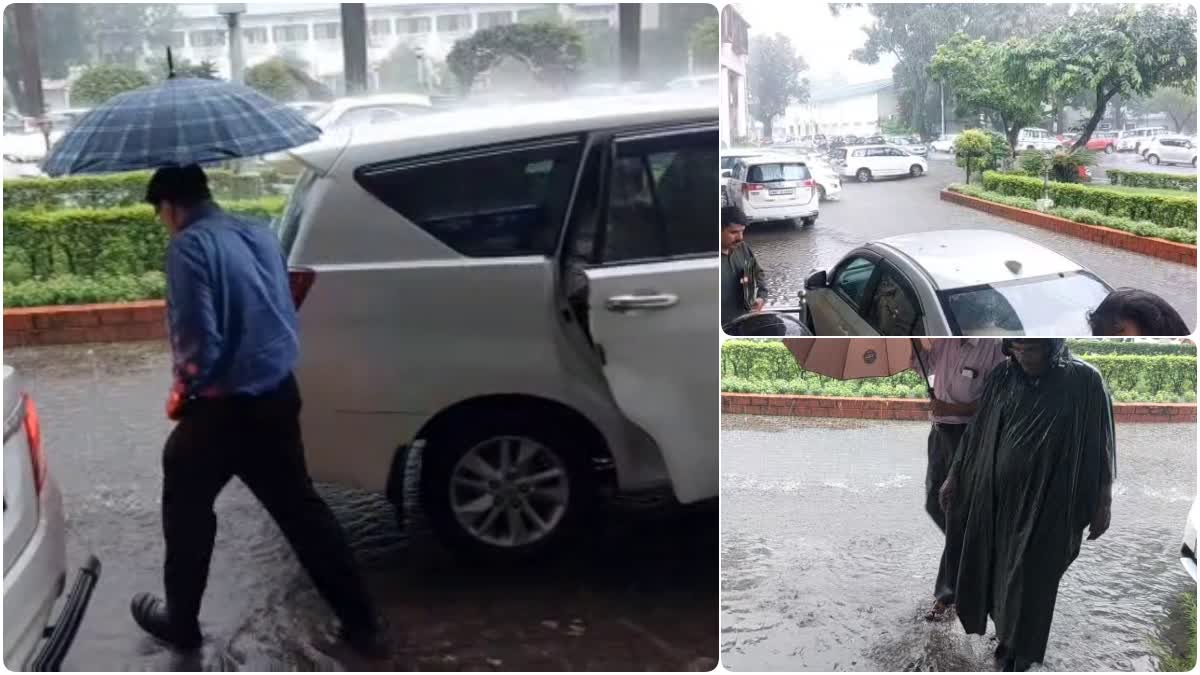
[808, 221]
[863, 175]
[1108, 149]
[915, 171]
[1153, 159]
[445, 460]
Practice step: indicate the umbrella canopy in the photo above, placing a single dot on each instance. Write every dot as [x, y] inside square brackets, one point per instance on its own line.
[852, 358]
[178, 123]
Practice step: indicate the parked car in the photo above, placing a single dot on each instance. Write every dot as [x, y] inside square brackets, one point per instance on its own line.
[868, 162]
[35, 546]
[774, 188]
[944, 143]
[308, 108]
[829, 184]
[379, 109]
[728, 157]
[1132, 140]
[953, 282]
[1103, 141]
[1187, 554]
[583, 369]
[1030, 138]
[1170, 150]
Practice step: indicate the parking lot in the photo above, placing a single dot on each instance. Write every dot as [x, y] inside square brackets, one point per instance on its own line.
[638, 592]
[888, 207]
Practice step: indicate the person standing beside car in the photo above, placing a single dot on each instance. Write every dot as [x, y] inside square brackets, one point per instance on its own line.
[959, 367]
[743, 283]
[234, 341]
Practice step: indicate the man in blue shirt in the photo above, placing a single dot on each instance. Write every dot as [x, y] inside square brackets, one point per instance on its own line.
[234, 341]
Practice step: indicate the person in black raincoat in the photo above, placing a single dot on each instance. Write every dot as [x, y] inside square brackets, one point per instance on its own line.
[1034, 469]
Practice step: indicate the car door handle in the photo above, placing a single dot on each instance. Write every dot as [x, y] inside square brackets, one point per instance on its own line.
[632, 303]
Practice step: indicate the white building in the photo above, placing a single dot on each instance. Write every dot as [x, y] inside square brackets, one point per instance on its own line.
[856, 109]
[312, 32]
[734, 60]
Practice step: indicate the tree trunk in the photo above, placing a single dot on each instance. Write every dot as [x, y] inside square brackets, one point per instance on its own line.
[1097, 115]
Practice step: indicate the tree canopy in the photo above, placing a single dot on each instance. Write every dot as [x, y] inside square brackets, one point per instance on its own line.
[553, 52]
[705, 42]
[100, 83]
[774, 79]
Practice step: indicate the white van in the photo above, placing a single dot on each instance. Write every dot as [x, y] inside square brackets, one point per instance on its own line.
[1133, 140]
[1031, 138]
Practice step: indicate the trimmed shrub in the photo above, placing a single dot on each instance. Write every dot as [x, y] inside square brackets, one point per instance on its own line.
[75, 290]
[124, 189]
[1152, 179]
[1160, 210]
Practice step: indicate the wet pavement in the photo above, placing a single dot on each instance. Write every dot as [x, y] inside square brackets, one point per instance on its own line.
[893, 206]
[639, 591]
[828, 557]
[1129, 161]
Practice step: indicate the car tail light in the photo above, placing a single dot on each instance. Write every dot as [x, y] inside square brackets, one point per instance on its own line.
[33, 429]
[747, 188]
[808, 183]
[301, 281]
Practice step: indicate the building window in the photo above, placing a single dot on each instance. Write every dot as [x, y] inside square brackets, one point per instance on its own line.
[493, 19]
[420, 24]
[535, 15]
[255, 36]
[329, 31]
[454, 23]
[379, 27]
[208, 38]
[290, 33]
[176, 39]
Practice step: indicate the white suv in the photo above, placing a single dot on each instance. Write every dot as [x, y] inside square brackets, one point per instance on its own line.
[35, 546]
[1031, 138]
[527, 292]
[1135, 139]
[774, 188]
[867, 162]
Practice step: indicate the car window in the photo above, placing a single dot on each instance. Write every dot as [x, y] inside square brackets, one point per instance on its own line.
[653, 209]
[851, 279]
[893, 308]
[287, 224]
[772, 173]
[1055, 305]
[499, 202]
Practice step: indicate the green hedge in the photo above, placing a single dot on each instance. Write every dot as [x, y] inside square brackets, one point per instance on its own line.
[116, 241]
[1152, 179]
[74, 290]
[124, 189]
[1110, 346]
[768, 368]
[1161, 210]
[1142, 228]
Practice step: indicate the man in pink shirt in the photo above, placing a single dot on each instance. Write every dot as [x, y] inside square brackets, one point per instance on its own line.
[957, 369]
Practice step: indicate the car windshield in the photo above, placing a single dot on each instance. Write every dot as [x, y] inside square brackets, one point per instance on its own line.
[773, 173]
[1056, 305]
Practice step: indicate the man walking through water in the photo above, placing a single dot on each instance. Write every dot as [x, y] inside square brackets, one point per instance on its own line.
[1034, 469]
[234, 341]
[959, 367]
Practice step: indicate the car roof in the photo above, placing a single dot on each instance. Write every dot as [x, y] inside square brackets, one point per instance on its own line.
[775, 158]
[444, 131]
[958, 258]
[381, 99]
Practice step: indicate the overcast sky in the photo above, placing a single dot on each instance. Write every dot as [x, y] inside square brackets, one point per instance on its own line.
[823, 41]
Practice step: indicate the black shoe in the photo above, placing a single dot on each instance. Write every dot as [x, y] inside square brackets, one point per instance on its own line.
[151, 614]
[367, 641]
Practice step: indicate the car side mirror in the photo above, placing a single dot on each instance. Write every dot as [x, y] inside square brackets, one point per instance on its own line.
[726, 174]
[817, 280]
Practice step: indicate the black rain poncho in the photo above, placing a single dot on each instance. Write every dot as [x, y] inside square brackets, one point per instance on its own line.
[1032, 468]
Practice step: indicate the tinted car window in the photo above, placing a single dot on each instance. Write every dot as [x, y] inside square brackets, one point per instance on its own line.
[654, 211]
[851, 279]
[505, 202]
[770, 173]
[893, 308]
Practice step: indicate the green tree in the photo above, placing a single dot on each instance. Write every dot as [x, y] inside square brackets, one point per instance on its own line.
[553, 53]
[205, 70]
[398, 71]
[970, 149]
[774, 79]
[977, 71]
[1111, 50]
[100, 83]
[1178, 104]
[284, 80]
[705, 42]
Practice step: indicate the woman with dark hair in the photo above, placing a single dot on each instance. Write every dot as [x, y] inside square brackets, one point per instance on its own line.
[1129, 312]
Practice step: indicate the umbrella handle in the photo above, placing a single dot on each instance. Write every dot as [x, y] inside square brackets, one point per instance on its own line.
[921, 363]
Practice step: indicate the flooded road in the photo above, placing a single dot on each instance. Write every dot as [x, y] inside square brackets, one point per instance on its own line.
[639, 592]
[828, 557]
[894, 206]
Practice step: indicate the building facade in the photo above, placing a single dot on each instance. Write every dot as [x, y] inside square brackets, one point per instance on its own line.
[734, 62]
[856, 109]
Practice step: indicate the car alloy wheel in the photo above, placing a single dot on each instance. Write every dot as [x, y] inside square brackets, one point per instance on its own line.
[915, 171]
[509, 491]
[1108, 149]
[863, 175]
[821, 194]
[1153, 159]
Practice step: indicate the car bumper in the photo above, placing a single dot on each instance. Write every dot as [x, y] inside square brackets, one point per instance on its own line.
[61, 635]
[762, 215]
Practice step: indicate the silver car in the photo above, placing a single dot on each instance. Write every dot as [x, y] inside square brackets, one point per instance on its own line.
[953, 282]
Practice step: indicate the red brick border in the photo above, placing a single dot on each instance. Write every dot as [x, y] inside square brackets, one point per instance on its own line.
[76, 324]
[912, 408]
[1151, 246]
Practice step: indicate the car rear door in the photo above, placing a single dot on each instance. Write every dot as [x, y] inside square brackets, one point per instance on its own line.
[837, 309]
[652, 266]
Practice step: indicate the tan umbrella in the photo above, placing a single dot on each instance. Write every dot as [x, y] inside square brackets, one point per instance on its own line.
[852, 358]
